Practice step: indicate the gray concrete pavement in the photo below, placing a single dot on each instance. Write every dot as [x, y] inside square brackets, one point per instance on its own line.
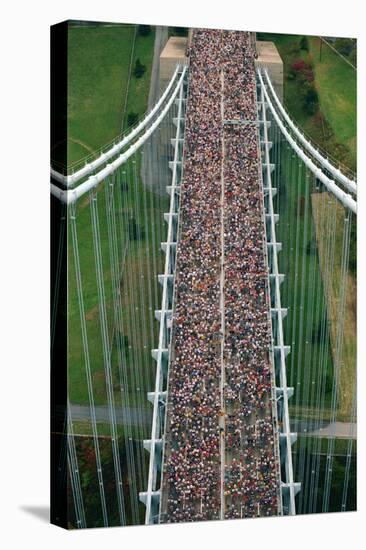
[341, 430]
[154, 167]
[161, 37]
[81, 413]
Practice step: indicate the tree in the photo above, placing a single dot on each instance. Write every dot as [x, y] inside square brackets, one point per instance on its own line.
[310, 99]
[310, 108]
[294, 48]
[291, 75]
[134, 230]
[310, 248]
[180, 31]
[353, 249]
[132, 118]
[121, 341]
[304, 45]
[139, 69]
[312, 95]
[344, 46]
[144, 30]
[353, 57]
[298, 65]
[303, 70]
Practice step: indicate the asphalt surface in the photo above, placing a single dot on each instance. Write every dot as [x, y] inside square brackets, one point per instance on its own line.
[340, 430]
[161, 37]
[81, 413]
[157, 150]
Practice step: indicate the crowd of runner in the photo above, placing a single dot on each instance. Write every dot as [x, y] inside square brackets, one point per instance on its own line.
[221, 145]
[251, 472]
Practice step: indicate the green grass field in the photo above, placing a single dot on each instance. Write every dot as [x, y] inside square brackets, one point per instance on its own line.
[138, 90]
[140, 261]
[301, 227]
[98, 69]
[309, 364]
[95, 121]
[102, 88]
[333, 79]
[99, 73]
[334, 126]
[101, 94]
[310, 457]
[336, 83]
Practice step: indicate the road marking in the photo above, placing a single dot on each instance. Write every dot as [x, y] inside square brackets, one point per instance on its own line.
[222, 308]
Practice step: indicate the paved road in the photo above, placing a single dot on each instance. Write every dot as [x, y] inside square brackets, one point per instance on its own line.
[154, 169]
[341, 430]
[161, 37]
[82, 413]
[223, 457]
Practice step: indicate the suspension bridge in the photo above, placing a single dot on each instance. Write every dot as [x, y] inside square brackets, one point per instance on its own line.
[228, 414]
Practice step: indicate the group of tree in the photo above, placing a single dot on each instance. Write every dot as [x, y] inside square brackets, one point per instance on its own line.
[310, 99]
[144, 30]
[304, 44]
[348, 48]
[303, 72]
[90, 484]
[180, 31]
[337, 481]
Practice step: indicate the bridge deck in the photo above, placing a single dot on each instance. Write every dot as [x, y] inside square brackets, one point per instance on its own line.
[221, 434]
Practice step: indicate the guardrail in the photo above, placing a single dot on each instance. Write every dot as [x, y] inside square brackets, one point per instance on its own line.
[152, 497]
[270, 354]
[279, 351]
[347, 182]
[89, 168]
[343, 197]
[72, 195]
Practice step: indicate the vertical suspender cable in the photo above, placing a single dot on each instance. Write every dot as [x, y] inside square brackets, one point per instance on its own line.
[75, 474]
[84, 334]
[58, 272]
[106, 356]
[338, 354]
[349, 453]
[116, 274]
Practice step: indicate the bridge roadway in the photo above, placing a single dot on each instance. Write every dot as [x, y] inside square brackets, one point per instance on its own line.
[220, 437]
